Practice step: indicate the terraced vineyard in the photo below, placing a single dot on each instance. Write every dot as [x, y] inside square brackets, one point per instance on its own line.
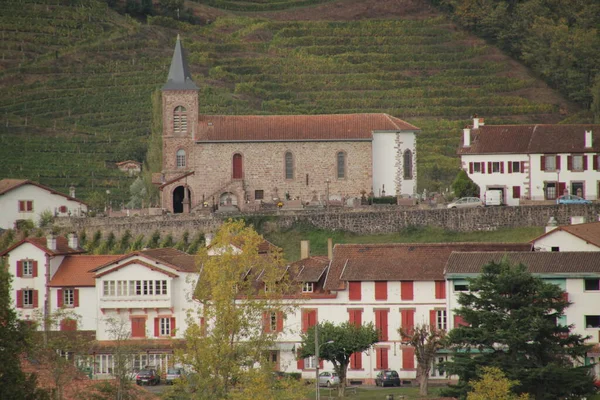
[77, 82]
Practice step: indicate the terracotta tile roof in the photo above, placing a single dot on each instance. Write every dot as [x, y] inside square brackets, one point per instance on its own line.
[400, 261]
[589, 232]
[531, 139]
[179, 260]
[309, 269]
[76, 270]
[62, 246]
[6, 185]
[538, 262]
[296, 127]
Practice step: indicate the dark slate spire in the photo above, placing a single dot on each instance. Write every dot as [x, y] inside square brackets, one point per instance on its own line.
[179, 74]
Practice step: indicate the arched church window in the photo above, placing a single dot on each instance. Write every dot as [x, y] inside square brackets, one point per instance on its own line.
[289, 165]
[407, 165]
[179, 120]
[180, 158]
[341, 165]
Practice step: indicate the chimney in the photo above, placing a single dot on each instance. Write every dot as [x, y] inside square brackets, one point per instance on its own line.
[304, 249]
[588, 139]
[51, 242]
[208, 237]
[467, 137]
[577, 220]
[73, 241]
[551, 225]
[330, 248]
[72, 191]
[477, 122]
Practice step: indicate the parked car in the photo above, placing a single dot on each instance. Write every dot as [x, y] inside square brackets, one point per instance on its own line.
[572, 199]
[329, 379]
[173, 374]
[466, 202]
[148, 377]
[389, 377]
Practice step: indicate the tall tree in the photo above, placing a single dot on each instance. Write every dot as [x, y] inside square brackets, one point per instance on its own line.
[514, 324]
[426, 340]
[244, 297]
[341, 341]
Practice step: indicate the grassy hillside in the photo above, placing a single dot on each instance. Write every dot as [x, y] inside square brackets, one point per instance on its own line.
[77, 80]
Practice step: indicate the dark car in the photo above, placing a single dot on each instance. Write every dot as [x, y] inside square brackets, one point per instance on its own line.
[148, 377]
[389, 377]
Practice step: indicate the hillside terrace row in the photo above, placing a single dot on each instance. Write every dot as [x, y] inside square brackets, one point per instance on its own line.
[391, 285]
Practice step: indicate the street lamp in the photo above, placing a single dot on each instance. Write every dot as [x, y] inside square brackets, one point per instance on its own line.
[108, 201]
[317, 348]
[327, 195]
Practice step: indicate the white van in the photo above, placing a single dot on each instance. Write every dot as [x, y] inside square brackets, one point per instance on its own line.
[493, 197]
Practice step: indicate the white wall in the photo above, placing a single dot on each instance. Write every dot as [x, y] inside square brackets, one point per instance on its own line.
[31, 252]
[388, 149]
[42, 200]
[564, 241]
[87, 311]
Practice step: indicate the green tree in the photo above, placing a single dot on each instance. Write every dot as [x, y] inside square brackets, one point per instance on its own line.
[239, 293]
[493, 385]
[14, 338]
[426, 341]
[138, 193]
[514, 324]
[341, 342]
[595, 107]
[463, 186]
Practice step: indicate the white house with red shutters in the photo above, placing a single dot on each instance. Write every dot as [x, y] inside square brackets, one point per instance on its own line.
[532, 162]
[22, 199]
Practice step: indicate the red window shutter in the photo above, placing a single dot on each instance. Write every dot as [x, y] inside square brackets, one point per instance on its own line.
[440, 289]
[59, 298]
[595, 162]
[482, 167]
[19, 299]
[320, 363]
[19, 269]
[68, 324]
[356, 360]
[433, 319]
[543, 163]
[408, 358]
[305, 320]
[138, 327]
[381, 290]
[354, 289]
[501, 167]
[510, 167]
[173, 326]
[312, 318]
[266, 321]
[279, 321]
[30, 206]
[299, 361]
[585, 165]
[384, 358]
[562, 186]
[378, 364]
[407, 318]
[489, 167]
[35, 269]
[557, 162]
[156, 327]
[459, 321]
[569, 163]
[470, 168]
[237, 166]
[35, 299]
[516, 192]
[21, 206]
[355, 317]
[75, 297]
[406, 290]
[381, 323]
[522, 166]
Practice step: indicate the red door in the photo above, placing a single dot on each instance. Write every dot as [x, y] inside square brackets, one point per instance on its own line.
[237, 166]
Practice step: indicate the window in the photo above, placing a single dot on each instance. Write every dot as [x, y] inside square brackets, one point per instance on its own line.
[441, 320]
[550, 190]
[555, 248]
[496, 167]
[461, 286]
[180, 120]
[406, 290]
[355, 316]
[309, 318]
[381, 323]
[381, 354]
[122, 288]
[307, 287]
[27, 268]
[381, 290]
[68, 297]
[104, 364]
[273, 321]
[25, 205]
[550, 163]
[341, 165]
[592, 321]
[516, 192]
[408, 358]
[592, 284]
[259, 194]
[108, 288]
[237, 166]
[356, 360]
[134, 288]
[515, 167]
[309, 363]
[407, 321]
[354, 291]
[164, 326]
[289, 165]
[27, 298]
[138, 327]
[407, 164]
[577, 163]
[578, 188]
[477, 167]
[440, 289]
[180, 158]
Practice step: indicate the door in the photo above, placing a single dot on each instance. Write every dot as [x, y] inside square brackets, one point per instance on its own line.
[237, 166]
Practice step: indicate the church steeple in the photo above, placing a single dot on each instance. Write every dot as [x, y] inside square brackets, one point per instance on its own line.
[179, 77]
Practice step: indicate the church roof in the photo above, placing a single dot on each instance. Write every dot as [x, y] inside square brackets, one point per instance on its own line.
[179, 77]
[253, 128]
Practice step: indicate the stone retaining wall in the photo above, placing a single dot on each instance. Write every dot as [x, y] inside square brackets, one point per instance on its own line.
[370, 220]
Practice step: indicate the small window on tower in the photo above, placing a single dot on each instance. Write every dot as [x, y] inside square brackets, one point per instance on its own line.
[180, 121]
[180, 158]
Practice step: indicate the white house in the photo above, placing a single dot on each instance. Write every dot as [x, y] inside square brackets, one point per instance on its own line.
[26, 200]
[574, 237]
[533, 162]
[577, 273]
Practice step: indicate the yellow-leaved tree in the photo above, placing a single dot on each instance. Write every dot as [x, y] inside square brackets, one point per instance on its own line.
[494, 385]
[244, 293]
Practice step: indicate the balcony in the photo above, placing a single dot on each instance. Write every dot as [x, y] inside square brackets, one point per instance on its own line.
[124, 302]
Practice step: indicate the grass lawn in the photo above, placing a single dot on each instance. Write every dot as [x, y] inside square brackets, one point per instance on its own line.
[379, 393]
[290, 240]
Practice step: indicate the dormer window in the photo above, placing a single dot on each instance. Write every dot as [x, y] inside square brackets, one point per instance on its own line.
[179, 121]
[307, 287]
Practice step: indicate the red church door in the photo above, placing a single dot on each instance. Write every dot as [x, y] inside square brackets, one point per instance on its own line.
[237, 166]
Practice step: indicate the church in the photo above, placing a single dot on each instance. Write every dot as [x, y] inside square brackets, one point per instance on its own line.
[242, 162]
